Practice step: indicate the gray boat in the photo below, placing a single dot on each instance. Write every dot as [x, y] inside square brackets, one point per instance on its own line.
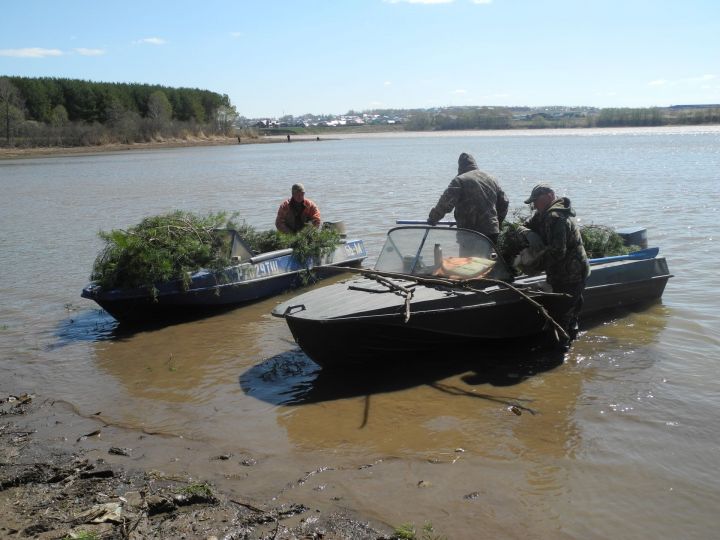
[435, 288]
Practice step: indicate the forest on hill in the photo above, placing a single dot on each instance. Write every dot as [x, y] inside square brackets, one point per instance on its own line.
[457, 118]
[70, 112]
[57, 112]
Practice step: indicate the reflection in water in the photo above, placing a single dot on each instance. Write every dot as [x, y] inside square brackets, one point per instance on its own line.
[292, 378]
[182, 378]
[403, 408]
[177, 362]
[507, 418]
[99, 325]
[282, 379]
[87, 325]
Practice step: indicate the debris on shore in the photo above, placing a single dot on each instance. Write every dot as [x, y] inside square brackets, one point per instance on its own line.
[53, 493]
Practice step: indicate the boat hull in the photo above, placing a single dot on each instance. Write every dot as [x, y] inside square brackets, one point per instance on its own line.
[493, 317]
[209, 293]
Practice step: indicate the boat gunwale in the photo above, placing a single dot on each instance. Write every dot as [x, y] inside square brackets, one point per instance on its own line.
[529, 286]
[93, 291]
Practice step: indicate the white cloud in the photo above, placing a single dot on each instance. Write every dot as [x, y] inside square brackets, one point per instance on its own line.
[33, 52]
[387, 83]
[236, 35]
[658, 82]
[459, 91]
[418, 1]
[90, 52]
[150, 41]
[482, 1]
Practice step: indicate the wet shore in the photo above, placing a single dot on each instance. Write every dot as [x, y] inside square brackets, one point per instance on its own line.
[66, 476]
[51, 151]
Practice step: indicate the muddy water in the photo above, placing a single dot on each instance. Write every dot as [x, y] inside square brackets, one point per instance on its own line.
[619, 439]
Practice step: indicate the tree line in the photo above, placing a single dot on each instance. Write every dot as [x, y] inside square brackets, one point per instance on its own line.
[49, 111]
[69, 112]
[453, 118]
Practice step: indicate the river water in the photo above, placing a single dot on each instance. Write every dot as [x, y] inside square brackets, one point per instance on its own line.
[622, 440]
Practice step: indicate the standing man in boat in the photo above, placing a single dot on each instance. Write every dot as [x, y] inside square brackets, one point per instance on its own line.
[479, 202]
[564, 259]
[296, 212]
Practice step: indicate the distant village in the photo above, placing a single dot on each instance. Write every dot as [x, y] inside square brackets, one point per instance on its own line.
[310, 120]
[513, 115]
[403, 116]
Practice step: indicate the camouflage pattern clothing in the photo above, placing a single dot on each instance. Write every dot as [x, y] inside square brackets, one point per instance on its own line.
[479, 202]
[565, 261]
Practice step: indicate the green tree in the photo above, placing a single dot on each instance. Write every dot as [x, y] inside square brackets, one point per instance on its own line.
[225, 118]
[189, 107]
[11, 113]
[35, 97]
[419, 121]
[80, 101]
[159, 107]
[59, 116]
[159, 111]
[124, 124]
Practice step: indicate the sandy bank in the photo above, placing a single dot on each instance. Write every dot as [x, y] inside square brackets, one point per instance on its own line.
[62, 475]
[54, 151]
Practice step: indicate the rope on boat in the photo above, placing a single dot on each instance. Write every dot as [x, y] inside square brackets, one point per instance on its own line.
[460, 283]
[407, 293]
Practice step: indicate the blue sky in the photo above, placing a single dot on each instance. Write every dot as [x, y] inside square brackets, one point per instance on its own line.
[275, 57]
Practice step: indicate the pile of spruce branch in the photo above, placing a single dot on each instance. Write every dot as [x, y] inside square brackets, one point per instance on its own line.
[174, 245]
[602, 241]
[599, 240]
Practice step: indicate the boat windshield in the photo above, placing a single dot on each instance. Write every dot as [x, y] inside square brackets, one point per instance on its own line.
[441, 252]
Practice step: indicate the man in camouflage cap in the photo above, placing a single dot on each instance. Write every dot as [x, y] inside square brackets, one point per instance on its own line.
[564, 259]
[479, 202]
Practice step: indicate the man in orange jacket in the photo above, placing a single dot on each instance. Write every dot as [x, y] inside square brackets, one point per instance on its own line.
[296, 212]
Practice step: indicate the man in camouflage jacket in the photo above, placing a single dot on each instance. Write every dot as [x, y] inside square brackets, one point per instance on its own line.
[479, 202]
[564, 259]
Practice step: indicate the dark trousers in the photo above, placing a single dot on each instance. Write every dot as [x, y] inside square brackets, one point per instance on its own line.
[567, 310]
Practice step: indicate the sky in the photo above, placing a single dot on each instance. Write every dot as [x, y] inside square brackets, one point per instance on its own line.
[291, 57]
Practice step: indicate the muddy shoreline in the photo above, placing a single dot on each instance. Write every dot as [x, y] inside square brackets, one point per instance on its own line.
[58, 151]
[63, 475]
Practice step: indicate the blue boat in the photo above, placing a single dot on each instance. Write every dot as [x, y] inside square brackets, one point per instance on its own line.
[251, 277]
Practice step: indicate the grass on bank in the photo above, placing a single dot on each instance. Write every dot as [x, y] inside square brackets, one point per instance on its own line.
[407, 531]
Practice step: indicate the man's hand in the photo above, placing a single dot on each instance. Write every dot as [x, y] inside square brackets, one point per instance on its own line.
[433, 218]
